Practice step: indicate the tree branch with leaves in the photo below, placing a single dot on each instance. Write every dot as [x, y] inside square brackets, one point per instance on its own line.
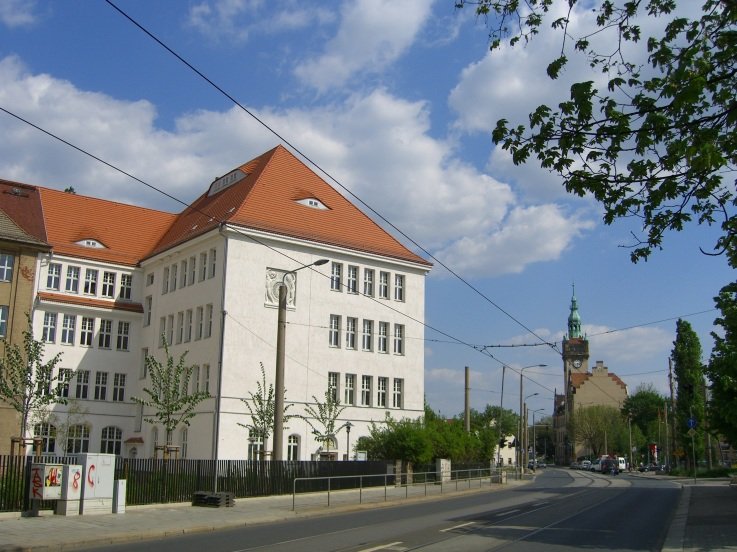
[323, 416]
[261, 407]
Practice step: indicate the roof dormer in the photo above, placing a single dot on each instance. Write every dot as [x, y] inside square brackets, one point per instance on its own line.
[91, 243]
[313, 203]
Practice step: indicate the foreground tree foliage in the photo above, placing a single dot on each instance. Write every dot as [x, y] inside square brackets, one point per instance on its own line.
[261, 407]
[600, 429]
[657, 141]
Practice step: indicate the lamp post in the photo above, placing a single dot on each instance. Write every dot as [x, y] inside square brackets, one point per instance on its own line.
[534, 436]
[348, 426]
[525, 455]
[279, 379]
[521, 377]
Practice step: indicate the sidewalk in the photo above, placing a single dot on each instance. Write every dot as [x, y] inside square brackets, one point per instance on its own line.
[49, 532]
[706, 517]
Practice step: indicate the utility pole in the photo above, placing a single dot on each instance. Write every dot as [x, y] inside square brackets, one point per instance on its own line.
[467, 410]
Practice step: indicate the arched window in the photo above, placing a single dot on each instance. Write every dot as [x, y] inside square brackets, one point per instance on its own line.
[293, 447]
[112, 439]
[47, 432]
[78, 439]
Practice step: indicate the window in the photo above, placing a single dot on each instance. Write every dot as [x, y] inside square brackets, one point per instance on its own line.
[78, 439]
[397, 394]
[368, 282]
[333, 384]
[47, 433]
[126, 286]
[293, 448]
[87, 331]
[83, 383]
[208, 325]
[350, 332]
[49, 329]
[105, 336]
[138, 420]
[183, 271]
[203, 266]
[124, 329]
[62, 383]
[383, 285]
[112, 438]
[170, 329]
[144, 367]
[365, 390]
[334, 332]
[352, 279]
[162, 331]
[349, 389]
[148, 304]
[72, 279]
[398, 339]
[335, 276]
[108, 284]
[213, 262]
[165, 281]
[180, 326]
[398, 287]
[198, 325]
[184, 441]
[6, 267]
[53, 278]
[118, 387]
[3, 320]
[68, 329]
[383, 333]
[192, 270]
[367, 342]
[188, 326]
[90, 281]
[100, 386]
[173, 282]
[382, 384]
[43, 384]
[255, 447]
[195, 379]
[206, 378]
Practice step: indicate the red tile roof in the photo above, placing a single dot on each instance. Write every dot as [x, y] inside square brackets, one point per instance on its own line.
[266, 200]
[22, 206]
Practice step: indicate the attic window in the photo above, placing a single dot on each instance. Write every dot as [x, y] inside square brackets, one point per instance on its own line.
[219, 184]
[91, 243]
[312, 202]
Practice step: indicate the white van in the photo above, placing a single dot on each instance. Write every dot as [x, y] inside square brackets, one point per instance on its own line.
[622, 463]
[586, 465]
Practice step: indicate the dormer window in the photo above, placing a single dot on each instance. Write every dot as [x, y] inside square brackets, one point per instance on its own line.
[91, 243]
[312, 202]
[226, 181]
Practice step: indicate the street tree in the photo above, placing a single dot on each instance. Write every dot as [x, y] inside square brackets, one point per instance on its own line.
[27, 383]
[599, 428]
[261, 407]
[169, 394]
[690, 391]
[323, 417]
[655, 140]
[722, 368]
[645, 407]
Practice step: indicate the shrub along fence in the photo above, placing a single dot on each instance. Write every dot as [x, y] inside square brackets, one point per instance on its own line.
[150, 481]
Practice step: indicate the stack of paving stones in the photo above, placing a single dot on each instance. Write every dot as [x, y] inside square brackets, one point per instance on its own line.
[213, 500]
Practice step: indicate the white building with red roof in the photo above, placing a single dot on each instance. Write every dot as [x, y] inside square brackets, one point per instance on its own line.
[118, 277]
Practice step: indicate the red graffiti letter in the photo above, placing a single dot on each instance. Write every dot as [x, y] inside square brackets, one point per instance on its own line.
[90, 471]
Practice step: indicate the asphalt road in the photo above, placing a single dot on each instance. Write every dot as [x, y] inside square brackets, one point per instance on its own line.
[561, 510]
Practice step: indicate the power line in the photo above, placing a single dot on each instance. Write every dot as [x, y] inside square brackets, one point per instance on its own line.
[324, 172]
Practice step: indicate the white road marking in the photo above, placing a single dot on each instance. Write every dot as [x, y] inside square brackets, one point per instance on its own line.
[456, 527]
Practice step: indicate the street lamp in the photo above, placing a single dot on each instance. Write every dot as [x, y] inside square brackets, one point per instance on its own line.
[521, 377]
[348, 426]
[279, 380]
[526, 441]
[534, 437]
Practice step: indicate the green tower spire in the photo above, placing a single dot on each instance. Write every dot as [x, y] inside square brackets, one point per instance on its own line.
[574, 319]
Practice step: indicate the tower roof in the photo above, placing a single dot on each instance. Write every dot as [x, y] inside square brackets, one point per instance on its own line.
[574, 319]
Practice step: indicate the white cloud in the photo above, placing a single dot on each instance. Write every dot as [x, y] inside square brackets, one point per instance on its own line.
[17, 13]
[372, 35]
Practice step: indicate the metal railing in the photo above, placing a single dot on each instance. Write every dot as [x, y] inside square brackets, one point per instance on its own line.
[391, 482]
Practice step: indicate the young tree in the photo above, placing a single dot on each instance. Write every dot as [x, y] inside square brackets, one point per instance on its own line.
[169, 394]
[722, 369]
[323, 417]
[599, 428]
[27, 383]
[689, 374]
[261, 406]
[656, 140]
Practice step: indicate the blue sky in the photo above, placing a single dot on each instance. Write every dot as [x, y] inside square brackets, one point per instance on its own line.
[396, 100]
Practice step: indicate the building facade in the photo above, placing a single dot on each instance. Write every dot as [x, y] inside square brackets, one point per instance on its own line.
[121, 281]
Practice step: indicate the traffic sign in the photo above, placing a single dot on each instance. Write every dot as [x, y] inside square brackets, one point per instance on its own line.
[691, 422]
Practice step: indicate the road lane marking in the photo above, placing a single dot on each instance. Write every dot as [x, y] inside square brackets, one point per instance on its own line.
[457, 527]
[508, 512]
[381, 547]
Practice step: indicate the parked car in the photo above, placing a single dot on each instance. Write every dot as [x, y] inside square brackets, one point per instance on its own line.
[596, 465]
[586, 465]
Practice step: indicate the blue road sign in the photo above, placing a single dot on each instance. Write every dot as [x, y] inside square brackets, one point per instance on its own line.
[691, 423]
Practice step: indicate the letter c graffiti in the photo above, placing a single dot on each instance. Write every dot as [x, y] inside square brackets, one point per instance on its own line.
[90, 471]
